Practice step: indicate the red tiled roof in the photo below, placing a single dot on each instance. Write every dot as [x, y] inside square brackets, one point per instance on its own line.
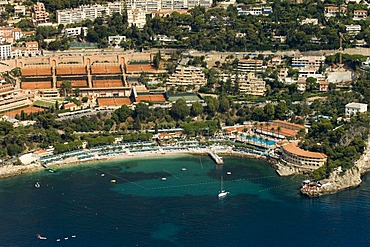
[292, 148]
[289, 124]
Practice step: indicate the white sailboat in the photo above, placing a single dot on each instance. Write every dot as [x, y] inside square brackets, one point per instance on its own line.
[223, 193]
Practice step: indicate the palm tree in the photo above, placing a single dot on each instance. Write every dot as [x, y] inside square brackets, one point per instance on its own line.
[273, 131]
[261, 125]
[278, 129]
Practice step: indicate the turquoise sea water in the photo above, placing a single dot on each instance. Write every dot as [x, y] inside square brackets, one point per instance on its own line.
[140, 209]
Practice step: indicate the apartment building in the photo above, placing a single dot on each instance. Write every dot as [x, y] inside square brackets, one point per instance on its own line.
[136, 17]
[40, 15]
[90, 12]
[250, 65]
[5, 51]
[187, 76]
[308, 61]
[155, 5]
[249, 84]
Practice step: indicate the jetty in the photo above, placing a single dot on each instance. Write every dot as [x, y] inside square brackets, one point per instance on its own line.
[216, 158]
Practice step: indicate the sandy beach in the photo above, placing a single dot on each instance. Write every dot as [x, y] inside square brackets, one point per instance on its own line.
[14, 170]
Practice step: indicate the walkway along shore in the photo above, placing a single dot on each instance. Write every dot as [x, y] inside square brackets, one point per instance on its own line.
[14, 170]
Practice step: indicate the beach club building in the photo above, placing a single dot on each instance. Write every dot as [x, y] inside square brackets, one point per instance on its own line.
[296, 156]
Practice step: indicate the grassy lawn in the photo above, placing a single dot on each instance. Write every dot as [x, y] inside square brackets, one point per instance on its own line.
[43, 104]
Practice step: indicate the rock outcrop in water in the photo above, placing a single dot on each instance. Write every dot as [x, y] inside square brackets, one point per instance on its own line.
[339, 180]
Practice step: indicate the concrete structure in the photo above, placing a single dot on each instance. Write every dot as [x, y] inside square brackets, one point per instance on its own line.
[136, 17]
[115, 41]
[90, 12]
[308, 61]
[359, 14]
[40, 15]
[5, 51]
[95, 75]
[354, 108]
[250, 65]
[255, 10]
[184, 76]
[310, 21]
[187, 76]
[75, 31]
[19, 10]
[353, 29]
[298, 157]
[249, 84]
[29, 158]
[333, 11]
[155, 5]
[323, 86]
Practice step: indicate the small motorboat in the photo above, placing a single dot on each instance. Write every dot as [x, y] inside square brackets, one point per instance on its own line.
[41, 237]
[102, 175]
[73, 236]
[66, 238]
[51, 170]
[113, 181]
[37, 184]
[228, 173]
[163, 179]
[183, 169]
[58, 240]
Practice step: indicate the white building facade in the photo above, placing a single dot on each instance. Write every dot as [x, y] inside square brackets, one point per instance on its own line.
[5, 51]
[90, 12]
[354, 108]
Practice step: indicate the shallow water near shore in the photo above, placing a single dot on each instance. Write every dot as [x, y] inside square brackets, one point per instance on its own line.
[139, 209]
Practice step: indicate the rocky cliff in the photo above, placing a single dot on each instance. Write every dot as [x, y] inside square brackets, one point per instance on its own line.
[339, 180]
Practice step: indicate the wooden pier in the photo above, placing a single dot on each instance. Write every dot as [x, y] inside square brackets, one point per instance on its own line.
[216, 158]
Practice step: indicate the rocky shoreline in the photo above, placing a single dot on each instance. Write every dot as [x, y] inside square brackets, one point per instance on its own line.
[339, 180]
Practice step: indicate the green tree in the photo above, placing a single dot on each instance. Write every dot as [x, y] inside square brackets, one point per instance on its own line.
[180, 110]
[196, 109]
[142, 111]
[65, 88]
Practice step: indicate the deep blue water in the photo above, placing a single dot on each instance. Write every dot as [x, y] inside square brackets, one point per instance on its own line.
[141, 210]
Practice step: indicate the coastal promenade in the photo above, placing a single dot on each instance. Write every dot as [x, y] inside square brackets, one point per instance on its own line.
[122, 151]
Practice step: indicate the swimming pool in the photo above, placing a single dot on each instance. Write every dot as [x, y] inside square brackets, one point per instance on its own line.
[259, 140]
